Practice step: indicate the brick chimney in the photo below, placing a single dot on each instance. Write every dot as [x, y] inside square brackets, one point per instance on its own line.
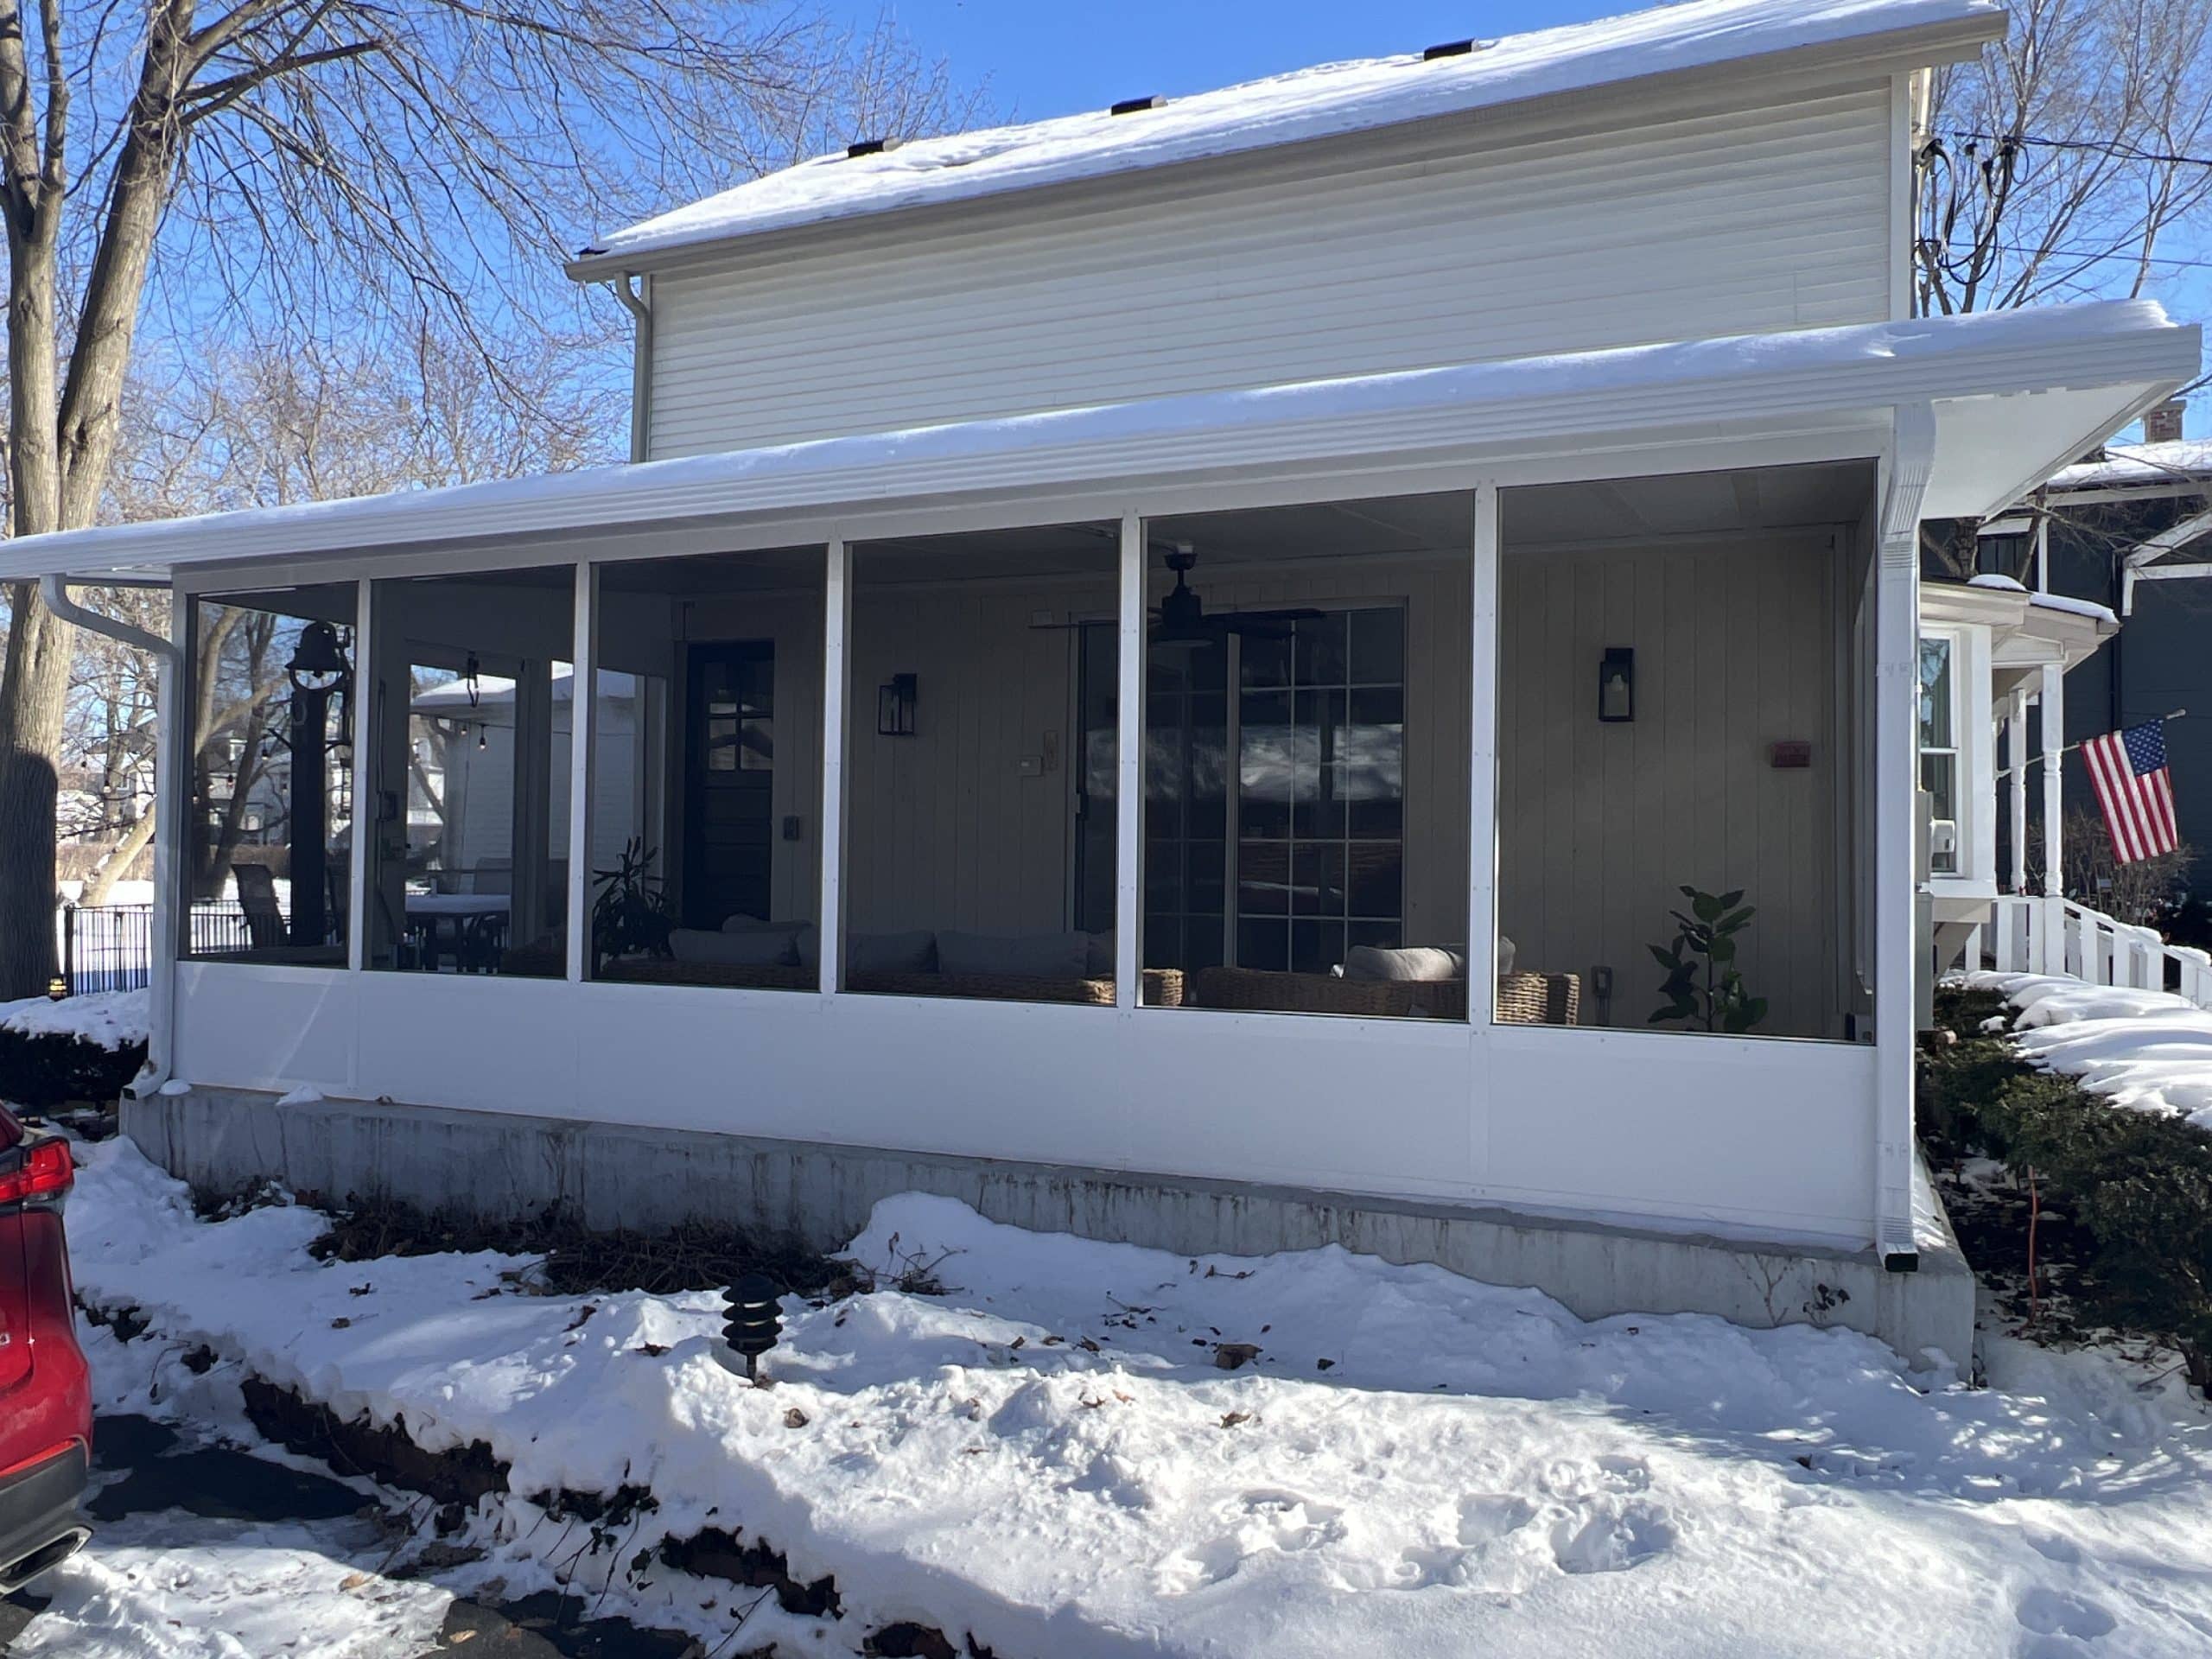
[2163, 424]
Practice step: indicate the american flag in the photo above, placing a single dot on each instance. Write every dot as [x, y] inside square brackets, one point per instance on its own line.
[2135, 789]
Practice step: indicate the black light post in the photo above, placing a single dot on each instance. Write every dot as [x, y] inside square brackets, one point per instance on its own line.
[317, 670]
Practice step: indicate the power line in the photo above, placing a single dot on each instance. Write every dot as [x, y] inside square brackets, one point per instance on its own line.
[2114, 148]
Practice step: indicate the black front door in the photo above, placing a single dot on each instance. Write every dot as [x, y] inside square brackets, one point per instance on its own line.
[730, 782]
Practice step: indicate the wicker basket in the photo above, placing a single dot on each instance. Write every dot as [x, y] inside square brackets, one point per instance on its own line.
[1522, 999]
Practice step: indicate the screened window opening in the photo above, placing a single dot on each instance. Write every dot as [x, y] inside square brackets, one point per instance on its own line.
[706, 834]
[1306, 834]
[269, 852]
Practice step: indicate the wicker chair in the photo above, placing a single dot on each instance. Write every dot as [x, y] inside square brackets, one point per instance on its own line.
[1522, 999]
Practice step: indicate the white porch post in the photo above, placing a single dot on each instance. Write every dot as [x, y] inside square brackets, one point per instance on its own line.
[2052, 696]
[1482, 764]
[583, 759]
[2015, 772]
[1128, 766]
[836, 633]
[172, 806]
[1897, 689]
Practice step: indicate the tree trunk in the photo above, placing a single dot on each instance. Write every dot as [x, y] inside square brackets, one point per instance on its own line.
[37, 681]
[119, 860]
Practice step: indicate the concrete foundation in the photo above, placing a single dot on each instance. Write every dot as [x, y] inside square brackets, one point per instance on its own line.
[609, 1176]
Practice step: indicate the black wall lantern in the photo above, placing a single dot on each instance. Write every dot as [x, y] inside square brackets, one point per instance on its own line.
[894, 707]
[1616, 684]
[318, 672]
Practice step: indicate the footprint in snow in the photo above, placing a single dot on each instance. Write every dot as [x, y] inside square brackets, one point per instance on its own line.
[1256, 1523]
[2053, 1613]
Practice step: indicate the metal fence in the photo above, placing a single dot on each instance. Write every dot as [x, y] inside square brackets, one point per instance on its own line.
[111, 947]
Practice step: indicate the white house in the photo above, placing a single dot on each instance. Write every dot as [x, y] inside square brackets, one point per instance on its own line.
[1142, 611]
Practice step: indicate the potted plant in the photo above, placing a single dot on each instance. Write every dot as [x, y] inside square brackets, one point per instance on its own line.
[631, 916]
[1703, 987]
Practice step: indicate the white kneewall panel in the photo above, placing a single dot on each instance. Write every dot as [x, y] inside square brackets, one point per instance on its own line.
[1436, 243]
[1747, 1137]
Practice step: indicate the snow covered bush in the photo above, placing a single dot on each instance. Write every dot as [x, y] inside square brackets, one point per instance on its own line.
[2139, 1183]
[80, 1048]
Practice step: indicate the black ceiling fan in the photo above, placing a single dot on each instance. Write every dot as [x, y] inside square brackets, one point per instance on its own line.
[1181, 622]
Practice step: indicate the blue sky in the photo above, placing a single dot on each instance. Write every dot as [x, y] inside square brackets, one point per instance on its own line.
[1049, 57]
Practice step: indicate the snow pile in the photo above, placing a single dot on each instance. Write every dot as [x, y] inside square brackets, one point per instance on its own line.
[2148, 1050]
[1058, 1455]
[110, 1020]
[2178, 461]
[1318, 103]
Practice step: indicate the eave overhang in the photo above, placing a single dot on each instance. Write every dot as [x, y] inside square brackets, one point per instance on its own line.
[2009, 391]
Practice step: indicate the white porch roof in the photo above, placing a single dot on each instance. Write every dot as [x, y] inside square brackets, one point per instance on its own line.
[2013, 393]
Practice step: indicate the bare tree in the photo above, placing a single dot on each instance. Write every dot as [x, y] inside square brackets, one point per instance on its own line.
[391, 176]
[2057, 164]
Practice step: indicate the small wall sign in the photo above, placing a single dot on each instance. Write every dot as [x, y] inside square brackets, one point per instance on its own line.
[1791, 754]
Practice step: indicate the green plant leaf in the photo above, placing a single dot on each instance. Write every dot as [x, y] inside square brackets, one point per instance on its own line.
[1707, 907]
[1727, 899]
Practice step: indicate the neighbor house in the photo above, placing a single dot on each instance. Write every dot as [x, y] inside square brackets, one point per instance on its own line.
[1171, 667]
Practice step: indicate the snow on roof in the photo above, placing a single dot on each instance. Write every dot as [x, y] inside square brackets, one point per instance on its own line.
[2181, 461]
[1620, 389]
[494, 691]
[2005, 584]
[1326, 101]
[2072, 606]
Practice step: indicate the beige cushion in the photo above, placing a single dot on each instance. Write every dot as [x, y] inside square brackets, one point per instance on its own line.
[1029, 956]
[1098, 955]
[1426, 963]
[910, 952]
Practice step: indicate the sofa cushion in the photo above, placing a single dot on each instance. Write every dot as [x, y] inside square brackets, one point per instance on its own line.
[910, 952]
[1506, 955]
[1098, 955]
[754, 948]
[1423, 962]
[1029, 955]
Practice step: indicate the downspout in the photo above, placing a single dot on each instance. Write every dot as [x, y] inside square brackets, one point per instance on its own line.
[638, 301]
[169, 711]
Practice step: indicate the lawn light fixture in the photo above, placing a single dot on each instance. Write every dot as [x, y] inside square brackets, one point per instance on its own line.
[57, 989]
[754, 1321]
[1616, 684]
[896, 701]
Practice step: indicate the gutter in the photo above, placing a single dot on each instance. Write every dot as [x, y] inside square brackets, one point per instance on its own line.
[638, 301]
[168, 710]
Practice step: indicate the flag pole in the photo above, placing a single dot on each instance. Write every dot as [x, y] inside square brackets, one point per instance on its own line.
[2069, 748]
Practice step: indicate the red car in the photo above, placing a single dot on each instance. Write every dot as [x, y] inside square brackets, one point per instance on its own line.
[46, 1392]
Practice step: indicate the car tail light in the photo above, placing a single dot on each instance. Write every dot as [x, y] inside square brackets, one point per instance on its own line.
[42, 1170]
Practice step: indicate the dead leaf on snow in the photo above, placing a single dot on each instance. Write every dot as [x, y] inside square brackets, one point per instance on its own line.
[1229, 1355]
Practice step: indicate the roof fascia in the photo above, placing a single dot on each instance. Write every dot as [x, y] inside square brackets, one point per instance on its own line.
[1583, 112]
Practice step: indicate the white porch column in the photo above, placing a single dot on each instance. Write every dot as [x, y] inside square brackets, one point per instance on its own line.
[2015, 772]
[2054, 780]
[1482, 764]
[837, 634]
[172, 912]
[1897, 943]
[583, 760]
[1128, 768]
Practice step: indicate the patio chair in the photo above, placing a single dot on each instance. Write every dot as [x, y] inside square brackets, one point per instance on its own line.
[264, 921]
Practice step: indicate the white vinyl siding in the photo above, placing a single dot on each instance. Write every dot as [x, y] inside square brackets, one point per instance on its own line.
[1451, 242]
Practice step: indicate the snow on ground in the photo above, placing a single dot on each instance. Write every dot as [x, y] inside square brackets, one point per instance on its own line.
[2148, 1050]
[1050, 1458]
[178, 1586]
[110, 1019]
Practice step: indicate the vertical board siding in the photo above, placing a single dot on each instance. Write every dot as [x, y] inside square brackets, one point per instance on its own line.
[1600, 825]
[1401, 250]
[944, 832]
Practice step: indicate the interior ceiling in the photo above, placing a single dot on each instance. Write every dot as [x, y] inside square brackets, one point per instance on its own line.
[1685, 504]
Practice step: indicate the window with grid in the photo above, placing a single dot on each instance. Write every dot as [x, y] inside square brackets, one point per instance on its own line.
[1321, 850]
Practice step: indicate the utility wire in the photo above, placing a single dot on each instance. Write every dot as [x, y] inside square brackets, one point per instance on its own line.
[2113, 147]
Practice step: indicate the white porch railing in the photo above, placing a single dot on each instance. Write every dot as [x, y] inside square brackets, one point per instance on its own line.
[2035, 934]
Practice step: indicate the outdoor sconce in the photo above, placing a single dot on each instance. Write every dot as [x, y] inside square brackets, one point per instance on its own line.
[754, 1321]
[894, 707]
[57, 989]
[1616, 684]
